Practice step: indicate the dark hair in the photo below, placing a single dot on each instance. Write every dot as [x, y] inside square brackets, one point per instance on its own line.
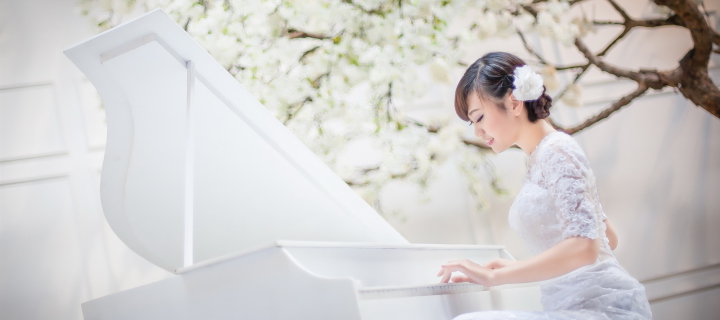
[491, 77]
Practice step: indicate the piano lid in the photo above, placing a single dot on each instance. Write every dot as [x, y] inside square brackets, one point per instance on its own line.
[195, 167]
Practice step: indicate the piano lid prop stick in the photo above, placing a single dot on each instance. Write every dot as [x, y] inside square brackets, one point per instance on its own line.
[189, 155]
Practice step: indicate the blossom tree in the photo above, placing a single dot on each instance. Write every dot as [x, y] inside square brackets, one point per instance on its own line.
[337, 73]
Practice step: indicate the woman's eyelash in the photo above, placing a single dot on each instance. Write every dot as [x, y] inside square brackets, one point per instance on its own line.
[478, 120]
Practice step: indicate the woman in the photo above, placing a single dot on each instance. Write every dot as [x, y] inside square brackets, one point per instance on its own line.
[557, 211]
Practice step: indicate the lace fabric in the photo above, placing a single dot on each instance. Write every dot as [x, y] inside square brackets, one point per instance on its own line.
[559, 200]
[559, 197]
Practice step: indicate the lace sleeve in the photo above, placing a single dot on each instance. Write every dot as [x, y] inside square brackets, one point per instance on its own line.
[565, 171]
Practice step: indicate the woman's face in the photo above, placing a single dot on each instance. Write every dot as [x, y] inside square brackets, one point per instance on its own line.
[497, 128]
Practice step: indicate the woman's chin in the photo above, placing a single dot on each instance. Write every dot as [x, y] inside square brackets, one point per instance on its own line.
[497, 149]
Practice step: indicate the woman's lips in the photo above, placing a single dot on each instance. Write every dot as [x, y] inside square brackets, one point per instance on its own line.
[491, 141]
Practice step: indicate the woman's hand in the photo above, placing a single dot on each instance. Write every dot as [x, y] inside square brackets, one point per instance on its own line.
[498, 263]
[471, 272]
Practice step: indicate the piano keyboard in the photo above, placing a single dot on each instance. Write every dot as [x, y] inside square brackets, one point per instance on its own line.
[372, 293]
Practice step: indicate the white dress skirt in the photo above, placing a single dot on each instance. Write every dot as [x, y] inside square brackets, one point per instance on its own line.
[559, 200]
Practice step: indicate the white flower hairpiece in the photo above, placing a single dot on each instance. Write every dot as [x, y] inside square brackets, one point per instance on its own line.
[528, 84]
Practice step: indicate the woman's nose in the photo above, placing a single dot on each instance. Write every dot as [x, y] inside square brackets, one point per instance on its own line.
[479, 132]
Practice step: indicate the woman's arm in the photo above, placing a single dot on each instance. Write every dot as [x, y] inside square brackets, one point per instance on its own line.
[566, 256]
[611, 235]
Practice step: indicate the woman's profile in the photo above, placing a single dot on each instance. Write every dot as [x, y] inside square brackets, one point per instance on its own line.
[557, 211]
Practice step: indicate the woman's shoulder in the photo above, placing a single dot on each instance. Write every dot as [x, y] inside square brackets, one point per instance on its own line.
[558, 142]
[561, 149]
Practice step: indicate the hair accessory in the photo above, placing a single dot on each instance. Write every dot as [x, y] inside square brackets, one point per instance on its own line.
[528, 84]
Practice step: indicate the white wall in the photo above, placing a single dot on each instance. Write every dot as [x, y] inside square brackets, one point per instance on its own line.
[657, 164]
[56, 249]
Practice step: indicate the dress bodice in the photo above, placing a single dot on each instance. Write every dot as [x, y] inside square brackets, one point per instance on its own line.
[559, 198]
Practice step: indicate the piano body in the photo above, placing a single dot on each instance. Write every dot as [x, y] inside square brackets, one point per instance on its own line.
[201, 180]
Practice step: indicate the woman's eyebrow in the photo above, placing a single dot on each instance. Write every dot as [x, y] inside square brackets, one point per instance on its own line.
[471, 112]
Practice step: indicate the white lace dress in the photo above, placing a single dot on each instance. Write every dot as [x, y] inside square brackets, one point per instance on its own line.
[559, 200]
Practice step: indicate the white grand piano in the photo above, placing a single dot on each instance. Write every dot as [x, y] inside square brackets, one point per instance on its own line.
[201, 180]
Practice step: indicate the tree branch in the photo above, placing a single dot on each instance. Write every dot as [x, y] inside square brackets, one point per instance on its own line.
[529, 49]
[577, 77]
[587, 66]
[372, 11]
[694, 21]
[294, 108]
[302, 57]
[577, 66]
[295, 34]
[365, 171]
[606, 67]
[435, 129]
[673, 20]
[620, 36]
[607, 112]
[620, 10]
[697, 86]
[612, 23]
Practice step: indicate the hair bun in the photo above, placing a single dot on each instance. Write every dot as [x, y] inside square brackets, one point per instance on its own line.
[540, 107]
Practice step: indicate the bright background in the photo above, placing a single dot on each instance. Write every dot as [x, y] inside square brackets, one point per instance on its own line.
[657, 164]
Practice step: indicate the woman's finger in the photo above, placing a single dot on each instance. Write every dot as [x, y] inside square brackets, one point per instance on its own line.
[446, 276]
[460, 278]
[454, 267]
[457, 262]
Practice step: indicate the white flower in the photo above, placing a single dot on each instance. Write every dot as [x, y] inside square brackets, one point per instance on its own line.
[524, 22]
[497, 5]
[549, 74]
[528, 84]
[487, 25]
[439, 71]
[545, 23]
[584, 25]
[573, 95]
[505, 26]
[566, 34]
[557, 8]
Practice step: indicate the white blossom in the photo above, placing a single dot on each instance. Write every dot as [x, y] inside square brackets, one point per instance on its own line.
[505, 26]
[439, 70]
[487, 25]
[497, 5]
[573, 95]
[545, 24]
[584, 25]
[549, 75]
[524, 22]
[557, 8]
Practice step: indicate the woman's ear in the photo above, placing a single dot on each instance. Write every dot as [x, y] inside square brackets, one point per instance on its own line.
[516, 105]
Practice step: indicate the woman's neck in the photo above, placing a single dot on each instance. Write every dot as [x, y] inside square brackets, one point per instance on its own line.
[534, 133]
